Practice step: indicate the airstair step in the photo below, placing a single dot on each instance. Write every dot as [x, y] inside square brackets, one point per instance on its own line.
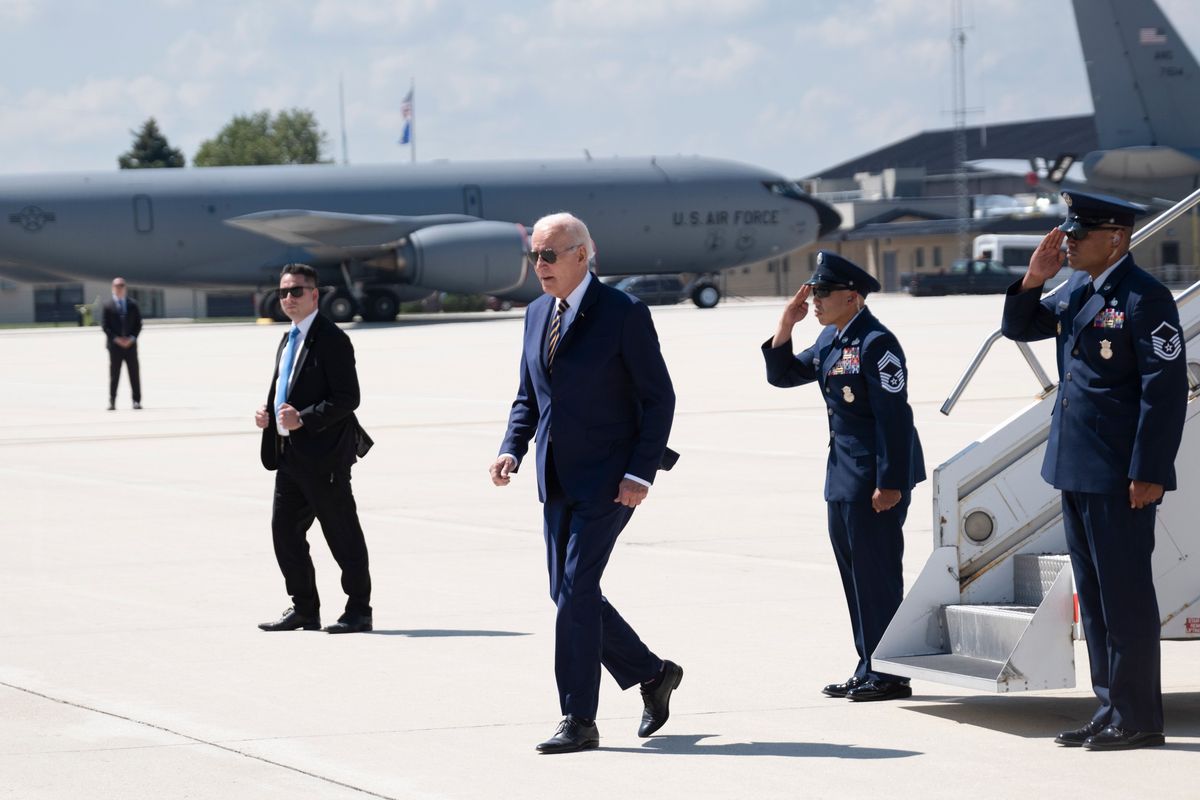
[988, 632]
[971, 673]
[1033, 575]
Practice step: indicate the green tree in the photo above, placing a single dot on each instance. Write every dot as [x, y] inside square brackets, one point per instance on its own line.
[292, 137]
[150, 150]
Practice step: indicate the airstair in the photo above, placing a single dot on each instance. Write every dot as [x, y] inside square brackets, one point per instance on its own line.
[994, 608]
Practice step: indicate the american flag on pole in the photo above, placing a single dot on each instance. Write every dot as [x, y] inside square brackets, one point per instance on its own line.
[406, 114]
[1151, 36]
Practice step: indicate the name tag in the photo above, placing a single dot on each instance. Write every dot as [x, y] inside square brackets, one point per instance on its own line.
[847, 364]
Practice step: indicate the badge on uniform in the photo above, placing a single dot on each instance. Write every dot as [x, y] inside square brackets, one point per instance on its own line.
[1105, 349]
[891, 373]
[1166, 342]
[848, 364]
[847, 394]
[1109, 318]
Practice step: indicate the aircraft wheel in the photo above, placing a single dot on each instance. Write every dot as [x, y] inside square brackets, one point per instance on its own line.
[381, 306]
[269, 307]
[338, 305]
[706, 295]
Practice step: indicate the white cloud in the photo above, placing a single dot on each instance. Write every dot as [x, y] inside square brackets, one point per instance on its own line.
[723, 68]
[16, 12]
[328, 15]
[624, 14]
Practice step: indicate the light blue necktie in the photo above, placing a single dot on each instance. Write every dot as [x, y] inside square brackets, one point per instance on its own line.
[285, 368]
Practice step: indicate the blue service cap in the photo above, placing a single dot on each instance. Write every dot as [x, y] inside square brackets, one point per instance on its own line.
[836, 272]
[1086, 212]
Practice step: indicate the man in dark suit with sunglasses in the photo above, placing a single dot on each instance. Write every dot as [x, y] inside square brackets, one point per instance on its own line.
[1114, 433]
[875, 456]
[122, 322]
[310, 438]
[596, 396]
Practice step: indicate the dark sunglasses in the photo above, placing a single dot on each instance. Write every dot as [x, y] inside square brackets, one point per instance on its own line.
[295, 291]
[825, 291]
[548, 255]
[1079, 232]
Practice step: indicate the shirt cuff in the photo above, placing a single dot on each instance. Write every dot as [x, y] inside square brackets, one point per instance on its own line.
[516, 461]
[636, 479]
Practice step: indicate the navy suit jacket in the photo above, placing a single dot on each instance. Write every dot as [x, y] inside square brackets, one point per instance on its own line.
[607, 406]
[1122, 378]
[873, 443]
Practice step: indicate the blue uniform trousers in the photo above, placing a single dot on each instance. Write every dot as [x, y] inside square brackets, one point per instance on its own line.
[1111, 545]
[588, 631]
[869, 548]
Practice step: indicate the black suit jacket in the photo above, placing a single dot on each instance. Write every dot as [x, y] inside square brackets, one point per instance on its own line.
[324, 389]
[114, 326]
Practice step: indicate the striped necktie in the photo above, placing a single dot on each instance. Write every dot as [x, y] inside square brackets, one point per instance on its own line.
[555, 333]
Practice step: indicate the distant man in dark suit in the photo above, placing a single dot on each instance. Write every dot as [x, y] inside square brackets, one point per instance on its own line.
[875, 455]
[1122, 389]
[122, 322]
[311, 438]
[596, 396]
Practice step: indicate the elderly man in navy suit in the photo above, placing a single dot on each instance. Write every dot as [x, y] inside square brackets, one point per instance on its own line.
[1113, 437]
[595, 395]
[875, 455]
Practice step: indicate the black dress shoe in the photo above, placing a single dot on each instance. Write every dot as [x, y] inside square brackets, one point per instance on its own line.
[656, 697]
[112, 405]
[875, 689]
[1114, 738]
[1077, 737]
[292, 620]
[842, 689]
[351, 623]
[572, 735]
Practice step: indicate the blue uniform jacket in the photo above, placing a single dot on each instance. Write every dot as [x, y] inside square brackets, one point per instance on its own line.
[873, 443]
[1122, 378]
[607, 406]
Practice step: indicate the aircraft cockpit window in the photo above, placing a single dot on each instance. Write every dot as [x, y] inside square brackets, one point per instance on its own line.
[785, 189]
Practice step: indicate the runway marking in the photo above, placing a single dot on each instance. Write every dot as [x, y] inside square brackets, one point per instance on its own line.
[198, 740]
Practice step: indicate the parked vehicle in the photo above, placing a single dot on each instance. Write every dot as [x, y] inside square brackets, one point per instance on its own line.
[964, 277]
[654, 290]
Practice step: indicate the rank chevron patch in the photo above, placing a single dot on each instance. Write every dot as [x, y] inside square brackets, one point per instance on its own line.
[1166, 342]
[891, 373]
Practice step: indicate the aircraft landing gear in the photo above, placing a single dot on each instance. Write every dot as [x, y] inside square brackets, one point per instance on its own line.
[339, 305]
[706, 295]
[269, 308]
[380, 305]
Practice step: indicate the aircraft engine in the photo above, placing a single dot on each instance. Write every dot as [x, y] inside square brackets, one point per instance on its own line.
[470, 257]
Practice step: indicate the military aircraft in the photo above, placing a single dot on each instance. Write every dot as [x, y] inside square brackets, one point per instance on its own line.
[382, 234]
[1145, 86]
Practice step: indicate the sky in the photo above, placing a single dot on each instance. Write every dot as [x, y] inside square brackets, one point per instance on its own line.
[792, 85]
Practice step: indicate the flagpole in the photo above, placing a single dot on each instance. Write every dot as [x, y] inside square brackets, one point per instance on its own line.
[412, 116]
[342, 114]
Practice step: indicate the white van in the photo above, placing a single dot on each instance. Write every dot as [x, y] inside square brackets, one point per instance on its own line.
[1014, 251]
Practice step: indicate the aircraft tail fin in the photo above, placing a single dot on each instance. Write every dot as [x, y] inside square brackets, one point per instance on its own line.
[1144, 80]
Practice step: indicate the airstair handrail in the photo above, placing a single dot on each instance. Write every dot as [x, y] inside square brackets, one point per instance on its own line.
[1158, 223]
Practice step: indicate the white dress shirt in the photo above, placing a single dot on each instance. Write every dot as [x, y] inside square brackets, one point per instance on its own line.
[304, 325]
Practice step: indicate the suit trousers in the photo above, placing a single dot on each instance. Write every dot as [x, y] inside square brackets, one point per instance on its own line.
[588, 630]
[1111, 546]
[300, 497]
[128, 356]
[869, 548]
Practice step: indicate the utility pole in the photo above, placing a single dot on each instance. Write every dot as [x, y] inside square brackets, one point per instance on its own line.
[958, 43]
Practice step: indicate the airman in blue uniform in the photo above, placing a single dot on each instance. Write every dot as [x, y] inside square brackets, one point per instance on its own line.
[1115, 430]
[875, 454]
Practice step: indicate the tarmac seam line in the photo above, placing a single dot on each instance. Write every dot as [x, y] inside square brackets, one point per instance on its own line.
[198, 740]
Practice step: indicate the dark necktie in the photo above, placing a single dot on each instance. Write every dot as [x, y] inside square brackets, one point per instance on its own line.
[1088, 292]
[555, 333]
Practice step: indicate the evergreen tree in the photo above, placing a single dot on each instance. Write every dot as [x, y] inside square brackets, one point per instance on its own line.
[150, 150]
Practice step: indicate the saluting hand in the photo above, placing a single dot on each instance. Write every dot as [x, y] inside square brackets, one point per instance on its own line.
[793, 312]
[1142, 494]
[631, 493]
[261, 418]
[500, 469]
[883, 499]
[1046, 261]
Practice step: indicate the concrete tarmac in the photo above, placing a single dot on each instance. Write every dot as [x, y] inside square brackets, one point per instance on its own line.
[135, 562]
